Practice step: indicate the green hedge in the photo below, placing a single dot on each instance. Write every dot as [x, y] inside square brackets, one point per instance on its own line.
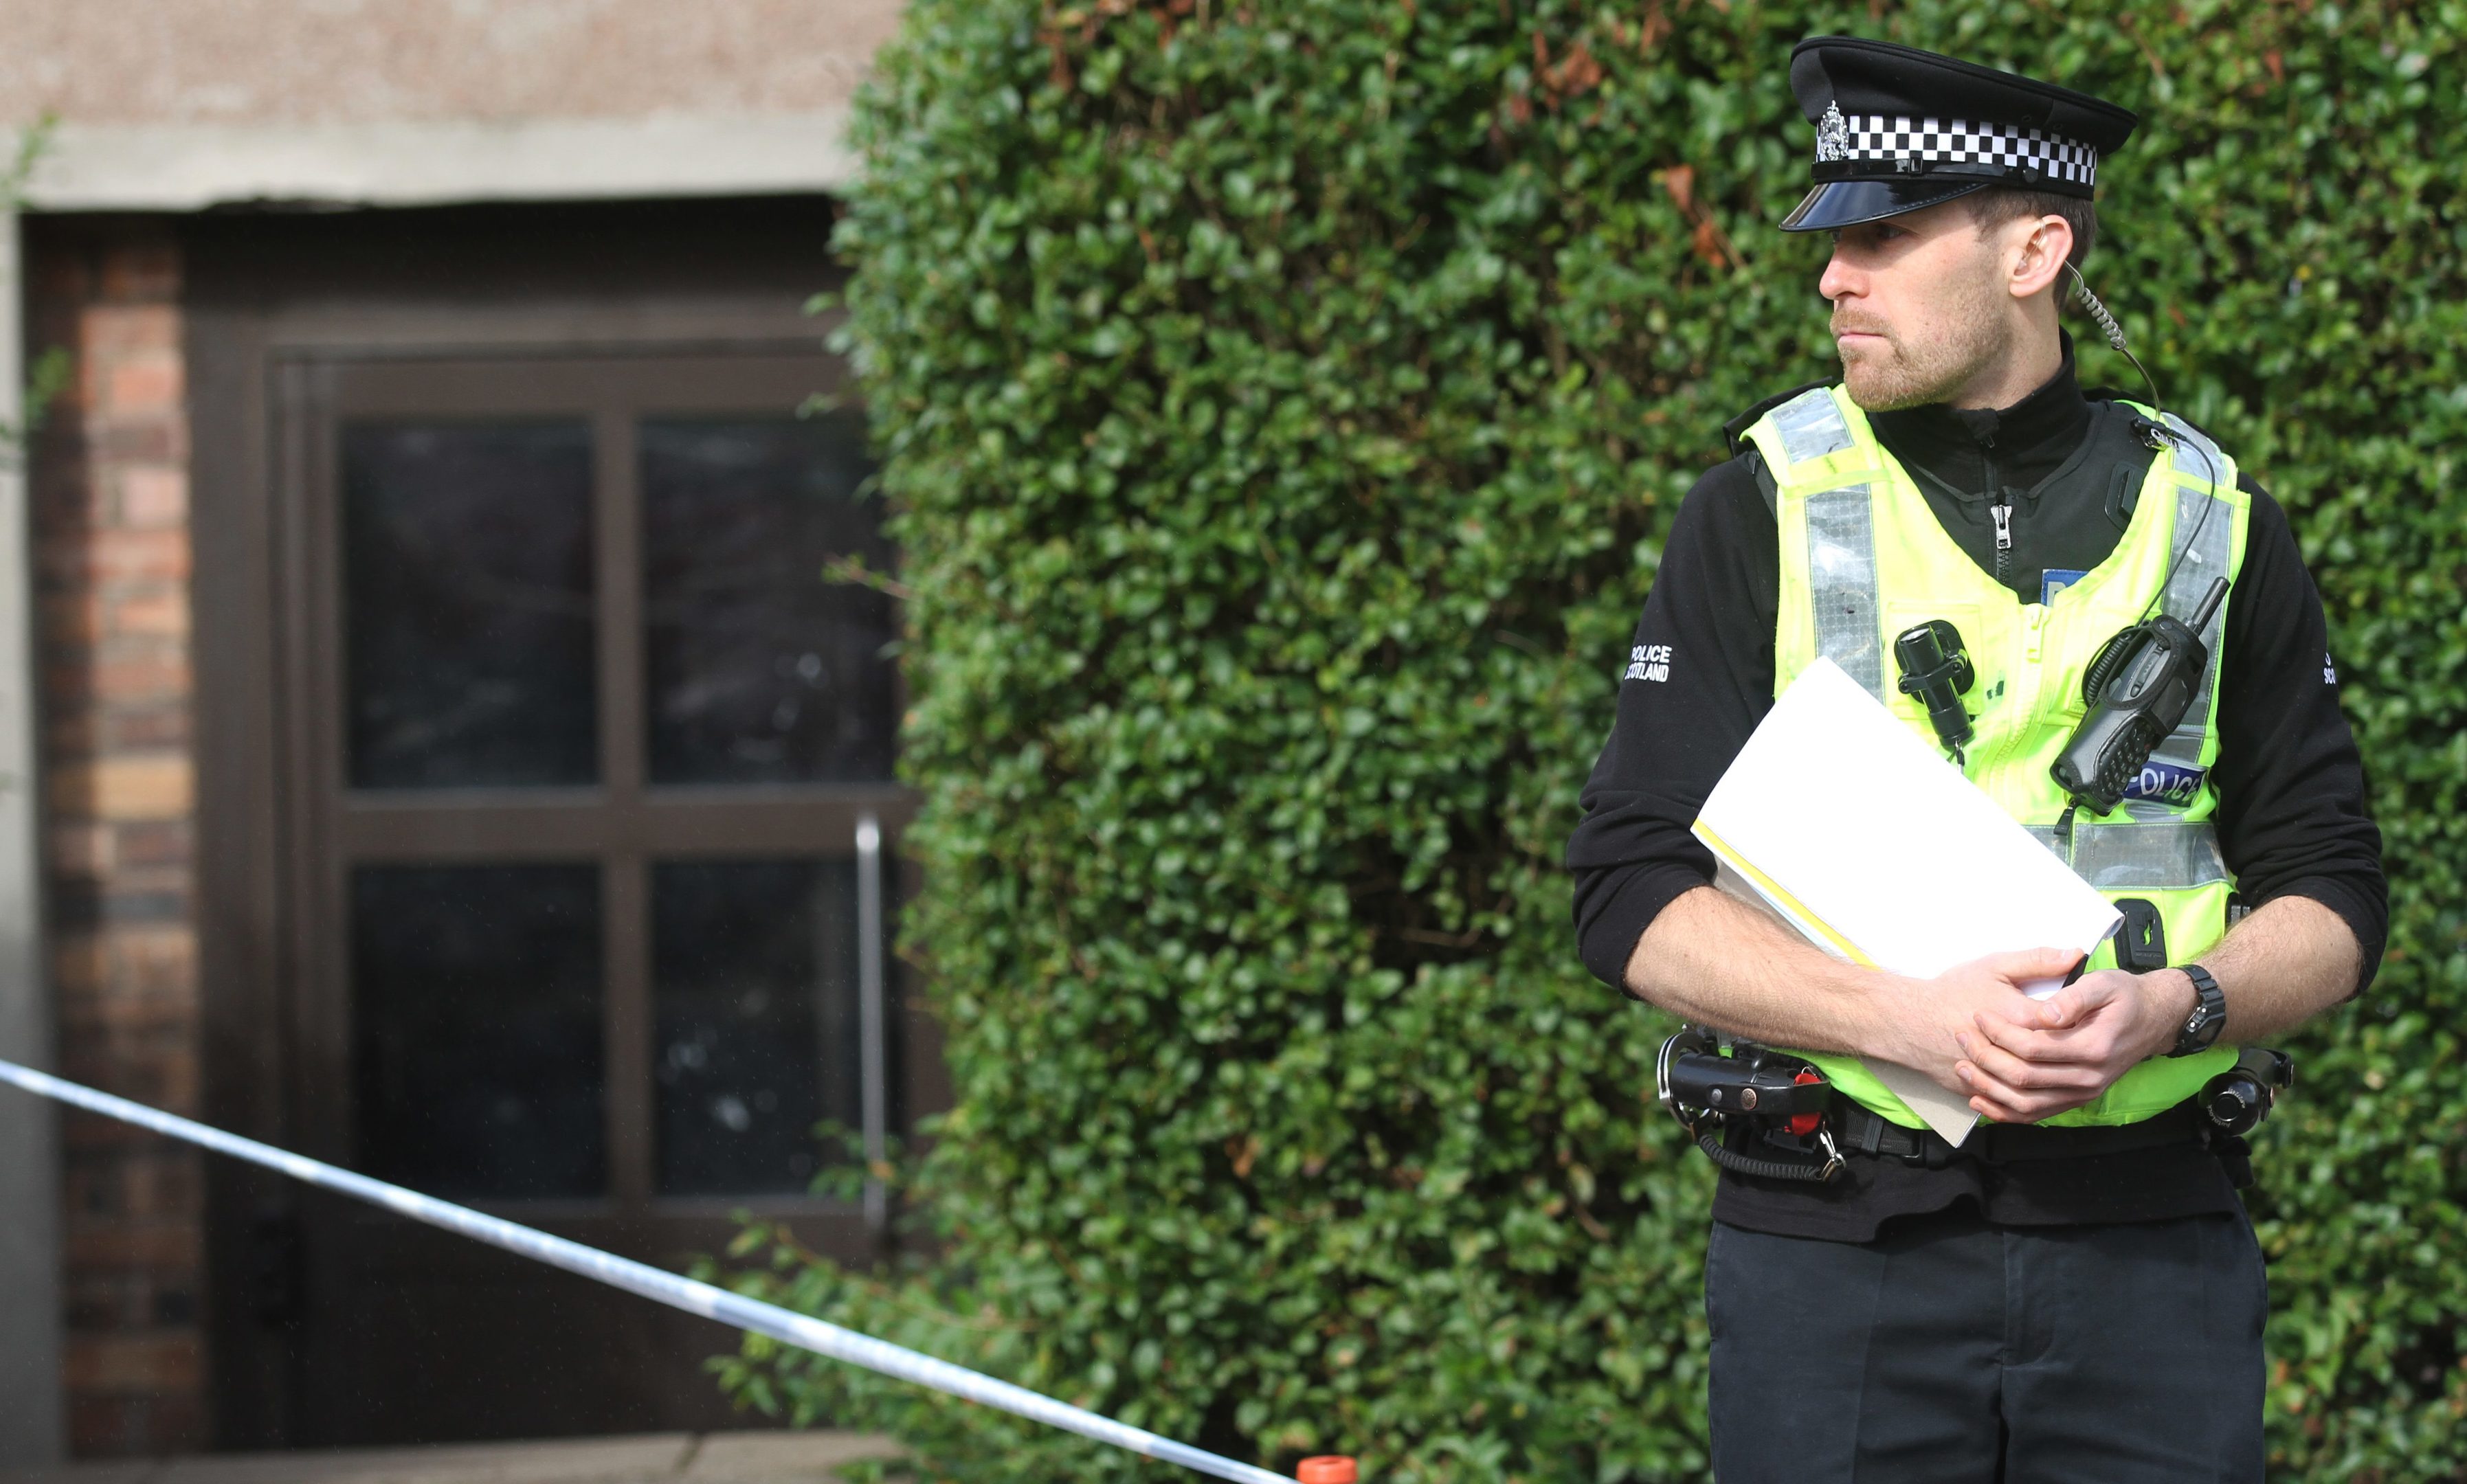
[1282, 403]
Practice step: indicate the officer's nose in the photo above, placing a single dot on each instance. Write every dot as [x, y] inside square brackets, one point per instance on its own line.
[1840, 279]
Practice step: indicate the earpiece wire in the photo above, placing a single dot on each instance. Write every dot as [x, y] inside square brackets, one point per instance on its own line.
[2115, 335]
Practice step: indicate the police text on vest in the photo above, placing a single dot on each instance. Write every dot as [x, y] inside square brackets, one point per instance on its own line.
[1650, 662]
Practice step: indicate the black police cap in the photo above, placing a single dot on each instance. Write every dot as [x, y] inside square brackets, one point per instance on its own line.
[1898, 128]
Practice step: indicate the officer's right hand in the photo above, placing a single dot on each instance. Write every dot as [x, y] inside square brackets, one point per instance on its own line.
[1923, 1024]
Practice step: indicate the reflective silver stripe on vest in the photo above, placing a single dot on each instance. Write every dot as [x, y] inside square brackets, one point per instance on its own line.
[2156, 857]
[2198, 555]
[1842, 583]
[1811, 426]
[1841, 544]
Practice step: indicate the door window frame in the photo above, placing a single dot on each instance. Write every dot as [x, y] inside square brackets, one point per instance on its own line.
[622, 824]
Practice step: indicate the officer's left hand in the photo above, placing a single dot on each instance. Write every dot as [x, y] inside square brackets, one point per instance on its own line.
[2071, 1046]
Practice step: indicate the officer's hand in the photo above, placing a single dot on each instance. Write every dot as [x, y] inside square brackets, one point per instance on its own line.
[1926, 1018]
[2059, 1053]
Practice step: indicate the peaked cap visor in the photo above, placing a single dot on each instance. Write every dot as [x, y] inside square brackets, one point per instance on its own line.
[1846, 203]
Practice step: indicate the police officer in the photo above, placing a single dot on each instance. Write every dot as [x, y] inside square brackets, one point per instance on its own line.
[2075, 1293]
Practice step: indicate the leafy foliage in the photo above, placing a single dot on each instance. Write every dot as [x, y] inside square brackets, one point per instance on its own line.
[49, 375]
[1282, 402]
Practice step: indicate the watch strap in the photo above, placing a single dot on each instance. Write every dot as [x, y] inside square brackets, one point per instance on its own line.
[2210, 1016]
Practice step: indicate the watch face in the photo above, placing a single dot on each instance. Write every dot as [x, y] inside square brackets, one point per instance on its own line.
[2203, 1025]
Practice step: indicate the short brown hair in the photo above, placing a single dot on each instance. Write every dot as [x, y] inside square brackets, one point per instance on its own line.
[1999, 204]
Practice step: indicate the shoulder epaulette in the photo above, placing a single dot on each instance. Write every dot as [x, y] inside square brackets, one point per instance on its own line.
[2114, 396]
[1736, 431]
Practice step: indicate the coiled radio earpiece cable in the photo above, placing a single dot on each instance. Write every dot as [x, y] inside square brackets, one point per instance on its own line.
[2112, 655]
[2115, 335]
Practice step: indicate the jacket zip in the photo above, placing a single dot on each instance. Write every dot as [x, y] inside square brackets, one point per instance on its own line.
[2002, 513]
[1999, 511]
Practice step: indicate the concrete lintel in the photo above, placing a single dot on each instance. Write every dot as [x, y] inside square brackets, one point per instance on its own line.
[190, 167]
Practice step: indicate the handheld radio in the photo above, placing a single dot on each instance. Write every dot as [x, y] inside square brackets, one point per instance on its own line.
[2138, 689]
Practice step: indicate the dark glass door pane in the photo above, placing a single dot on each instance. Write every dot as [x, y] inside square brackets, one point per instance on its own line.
[466, 591]
[761, 670]
[479, 1069]
[754, 972]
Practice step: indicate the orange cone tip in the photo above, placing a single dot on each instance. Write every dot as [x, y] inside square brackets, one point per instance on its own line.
[1330, 1468]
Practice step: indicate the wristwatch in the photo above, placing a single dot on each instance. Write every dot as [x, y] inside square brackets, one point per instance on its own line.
[2209, 1012]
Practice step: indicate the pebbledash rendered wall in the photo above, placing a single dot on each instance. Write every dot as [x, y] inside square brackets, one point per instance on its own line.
[250, 62]
[159, 110]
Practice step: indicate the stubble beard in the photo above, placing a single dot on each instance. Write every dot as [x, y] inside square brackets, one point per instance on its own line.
[1900, 374]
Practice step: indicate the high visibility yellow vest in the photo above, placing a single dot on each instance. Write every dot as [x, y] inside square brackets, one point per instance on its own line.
[1863, 558]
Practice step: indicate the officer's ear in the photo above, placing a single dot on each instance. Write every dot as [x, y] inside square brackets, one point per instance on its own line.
[2037, 247]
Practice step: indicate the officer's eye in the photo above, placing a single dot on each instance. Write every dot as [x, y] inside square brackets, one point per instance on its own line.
[1869, 233]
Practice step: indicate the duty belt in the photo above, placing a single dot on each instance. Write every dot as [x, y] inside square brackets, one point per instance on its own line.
[1757, 1112]
[1860, 1131]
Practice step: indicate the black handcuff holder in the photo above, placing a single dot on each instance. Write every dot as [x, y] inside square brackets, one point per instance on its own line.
[1751, 1095]
[2238, 1100]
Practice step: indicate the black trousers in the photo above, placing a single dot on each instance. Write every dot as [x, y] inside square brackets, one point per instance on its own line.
[1952, 1350]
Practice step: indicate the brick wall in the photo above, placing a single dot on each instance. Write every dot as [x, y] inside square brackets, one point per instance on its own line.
[109, 489]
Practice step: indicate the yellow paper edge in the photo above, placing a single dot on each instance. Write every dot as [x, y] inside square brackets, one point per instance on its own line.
[1771, 888]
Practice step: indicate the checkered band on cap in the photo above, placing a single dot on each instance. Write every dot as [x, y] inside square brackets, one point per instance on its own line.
[1879, 137]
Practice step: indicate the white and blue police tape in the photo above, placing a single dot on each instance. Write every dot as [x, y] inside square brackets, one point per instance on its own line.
[668, 1287]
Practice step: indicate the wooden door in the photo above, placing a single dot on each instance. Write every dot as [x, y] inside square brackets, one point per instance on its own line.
[581, 809]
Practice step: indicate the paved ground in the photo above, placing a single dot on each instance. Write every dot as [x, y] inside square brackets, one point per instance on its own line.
[661, 1458]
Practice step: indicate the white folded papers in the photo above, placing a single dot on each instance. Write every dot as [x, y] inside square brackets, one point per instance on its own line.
[1844, 823]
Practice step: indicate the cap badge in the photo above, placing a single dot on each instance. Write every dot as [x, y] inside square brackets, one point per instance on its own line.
[1832, 136]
